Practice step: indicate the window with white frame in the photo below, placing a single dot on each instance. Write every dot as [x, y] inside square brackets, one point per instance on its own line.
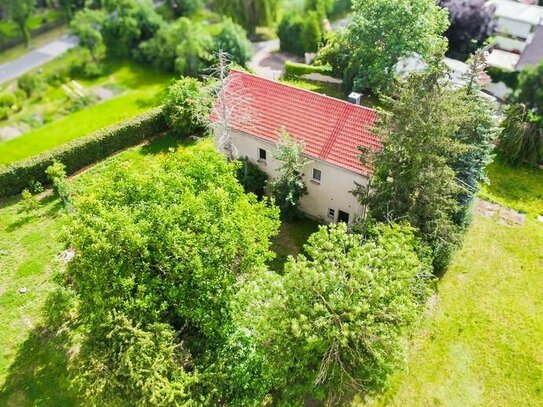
[316, 176]
[262, 154]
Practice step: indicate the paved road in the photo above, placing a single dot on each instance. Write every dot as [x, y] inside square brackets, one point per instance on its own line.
[36, 58]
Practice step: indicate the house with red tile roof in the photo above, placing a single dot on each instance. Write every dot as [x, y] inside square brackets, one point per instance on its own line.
[331, 131]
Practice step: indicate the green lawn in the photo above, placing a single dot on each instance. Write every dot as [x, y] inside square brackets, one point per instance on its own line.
[142, 89]
[482, 342]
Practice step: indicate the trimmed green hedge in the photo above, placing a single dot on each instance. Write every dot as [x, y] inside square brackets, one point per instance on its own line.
[297, 69]
[510, 78]
[83, 151]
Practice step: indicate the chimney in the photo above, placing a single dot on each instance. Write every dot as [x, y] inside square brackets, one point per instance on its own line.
[354, 98]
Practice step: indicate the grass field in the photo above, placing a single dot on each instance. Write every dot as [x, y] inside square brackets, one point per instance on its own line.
[481, 344]
[142, 89]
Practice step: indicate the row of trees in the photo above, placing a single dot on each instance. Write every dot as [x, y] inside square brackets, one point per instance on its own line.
[129, 28]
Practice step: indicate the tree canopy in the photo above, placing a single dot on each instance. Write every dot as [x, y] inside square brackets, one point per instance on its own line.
[472, 22]
[383, 32]
[335, 321]
[251, 13]
[19, 11]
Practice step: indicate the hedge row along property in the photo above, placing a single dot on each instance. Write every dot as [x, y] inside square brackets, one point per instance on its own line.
[83, 151]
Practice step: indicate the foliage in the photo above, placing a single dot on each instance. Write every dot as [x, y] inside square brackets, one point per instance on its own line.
[186, 107]
[311, 34]
[335, 53]
[510, 78]
[300, 34]
[29, 203]
[186, 7]
[128, 23]
[69, 6]
[337, 319]
[86, 25]
[521, 138]
[376, 43]
[183, 47]
[530, 88]
[232, 39]
[168, 243]
[472, 22]
[289, 32]
[288, 187]
[323, 7]
[19, 11]
[124, 364]
[82, 152]
[30, 83]
[56, 174]
[250, 13]
[251, 177]
[298, 69]
[86, 69]
[477, 131]
[413, 179]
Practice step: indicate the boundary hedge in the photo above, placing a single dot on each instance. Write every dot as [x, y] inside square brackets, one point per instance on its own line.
[79, 153]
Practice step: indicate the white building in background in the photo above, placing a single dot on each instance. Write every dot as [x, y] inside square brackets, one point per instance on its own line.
[331, 131]
[516, 27]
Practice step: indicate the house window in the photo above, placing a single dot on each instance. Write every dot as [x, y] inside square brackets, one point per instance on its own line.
[332, 213]
[316, 175]
[261, 154]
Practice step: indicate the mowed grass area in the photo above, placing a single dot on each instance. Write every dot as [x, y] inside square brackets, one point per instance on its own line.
[34, 356]
[142, 89]
[481, 344]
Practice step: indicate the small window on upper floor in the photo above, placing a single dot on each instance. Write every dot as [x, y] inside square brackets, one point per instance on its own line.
[332, 213]
[316, 175]
[262, 154]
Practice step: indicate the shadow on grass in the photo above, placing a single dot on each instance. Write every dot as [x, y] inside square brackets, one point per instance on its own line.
[164, 143]
[39, 375]
[290, 241]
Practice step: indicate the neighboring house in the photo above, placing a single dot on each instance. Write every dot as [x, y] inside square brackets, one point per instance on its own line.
[517, 24]
[331, 131]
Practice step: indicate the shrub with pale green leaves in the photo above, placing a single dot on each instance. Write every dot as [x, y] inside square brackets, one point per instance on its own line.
[336, 321]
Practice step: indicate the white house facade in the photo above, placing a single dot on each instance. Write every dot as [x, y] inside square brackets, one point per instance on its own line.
[331, 131]
[329, 188]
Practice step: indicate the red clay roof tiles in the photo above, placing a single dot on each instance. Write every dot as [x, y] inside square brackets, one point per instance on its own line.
[331, 129]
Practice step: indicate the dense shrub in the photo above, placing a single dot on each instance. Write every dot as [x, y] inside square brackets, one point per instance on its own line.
[251, 177]
[311, 34]
[510, 78]
[7, 99]
[30, 83]
[521, 139]
[4, 112]
[86, 70]
[233, 39]
[530, 88]
[82, 152]
[186, 107]
[297, 69]
[290, 34]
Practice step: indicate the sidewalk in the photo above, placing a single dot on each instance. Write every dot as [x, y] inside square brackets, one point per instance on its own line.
[36, 58]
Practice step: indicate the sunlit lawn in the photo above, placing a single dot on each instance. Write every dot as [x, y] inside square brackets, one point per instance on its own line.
[142, 89]
[482, 343]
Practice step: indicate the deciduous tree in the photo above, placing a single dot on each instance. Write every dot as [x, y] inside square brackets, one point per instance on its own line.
[251, 13]
[337, 319]
[19, 11]
[87, 25]
[472, 22]
[384, 31]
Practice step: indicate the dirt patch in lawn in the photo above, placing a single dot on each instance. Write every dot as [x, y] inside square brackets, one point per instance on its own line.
[504, 216]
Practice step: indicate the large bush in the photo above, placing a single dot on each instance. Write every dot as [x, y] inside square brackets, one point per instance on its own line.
[168, 243]
[187, 106]
[184, 47]
[82, 152]
[251, 177]
[233, 39]
[300, 34]
[521, 139]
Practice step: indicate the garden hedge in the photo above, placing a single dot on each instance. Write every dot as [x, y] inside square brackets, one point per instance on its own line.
[79, 153]
[297, 69]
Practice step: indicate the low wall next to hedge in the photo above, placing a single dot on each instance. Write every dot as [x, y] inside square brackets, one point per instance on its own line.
[79, 153]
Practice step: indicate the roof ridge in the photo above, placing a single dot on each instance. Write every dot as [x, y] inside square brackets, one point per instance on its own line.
[288, 85]
[340, 123]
